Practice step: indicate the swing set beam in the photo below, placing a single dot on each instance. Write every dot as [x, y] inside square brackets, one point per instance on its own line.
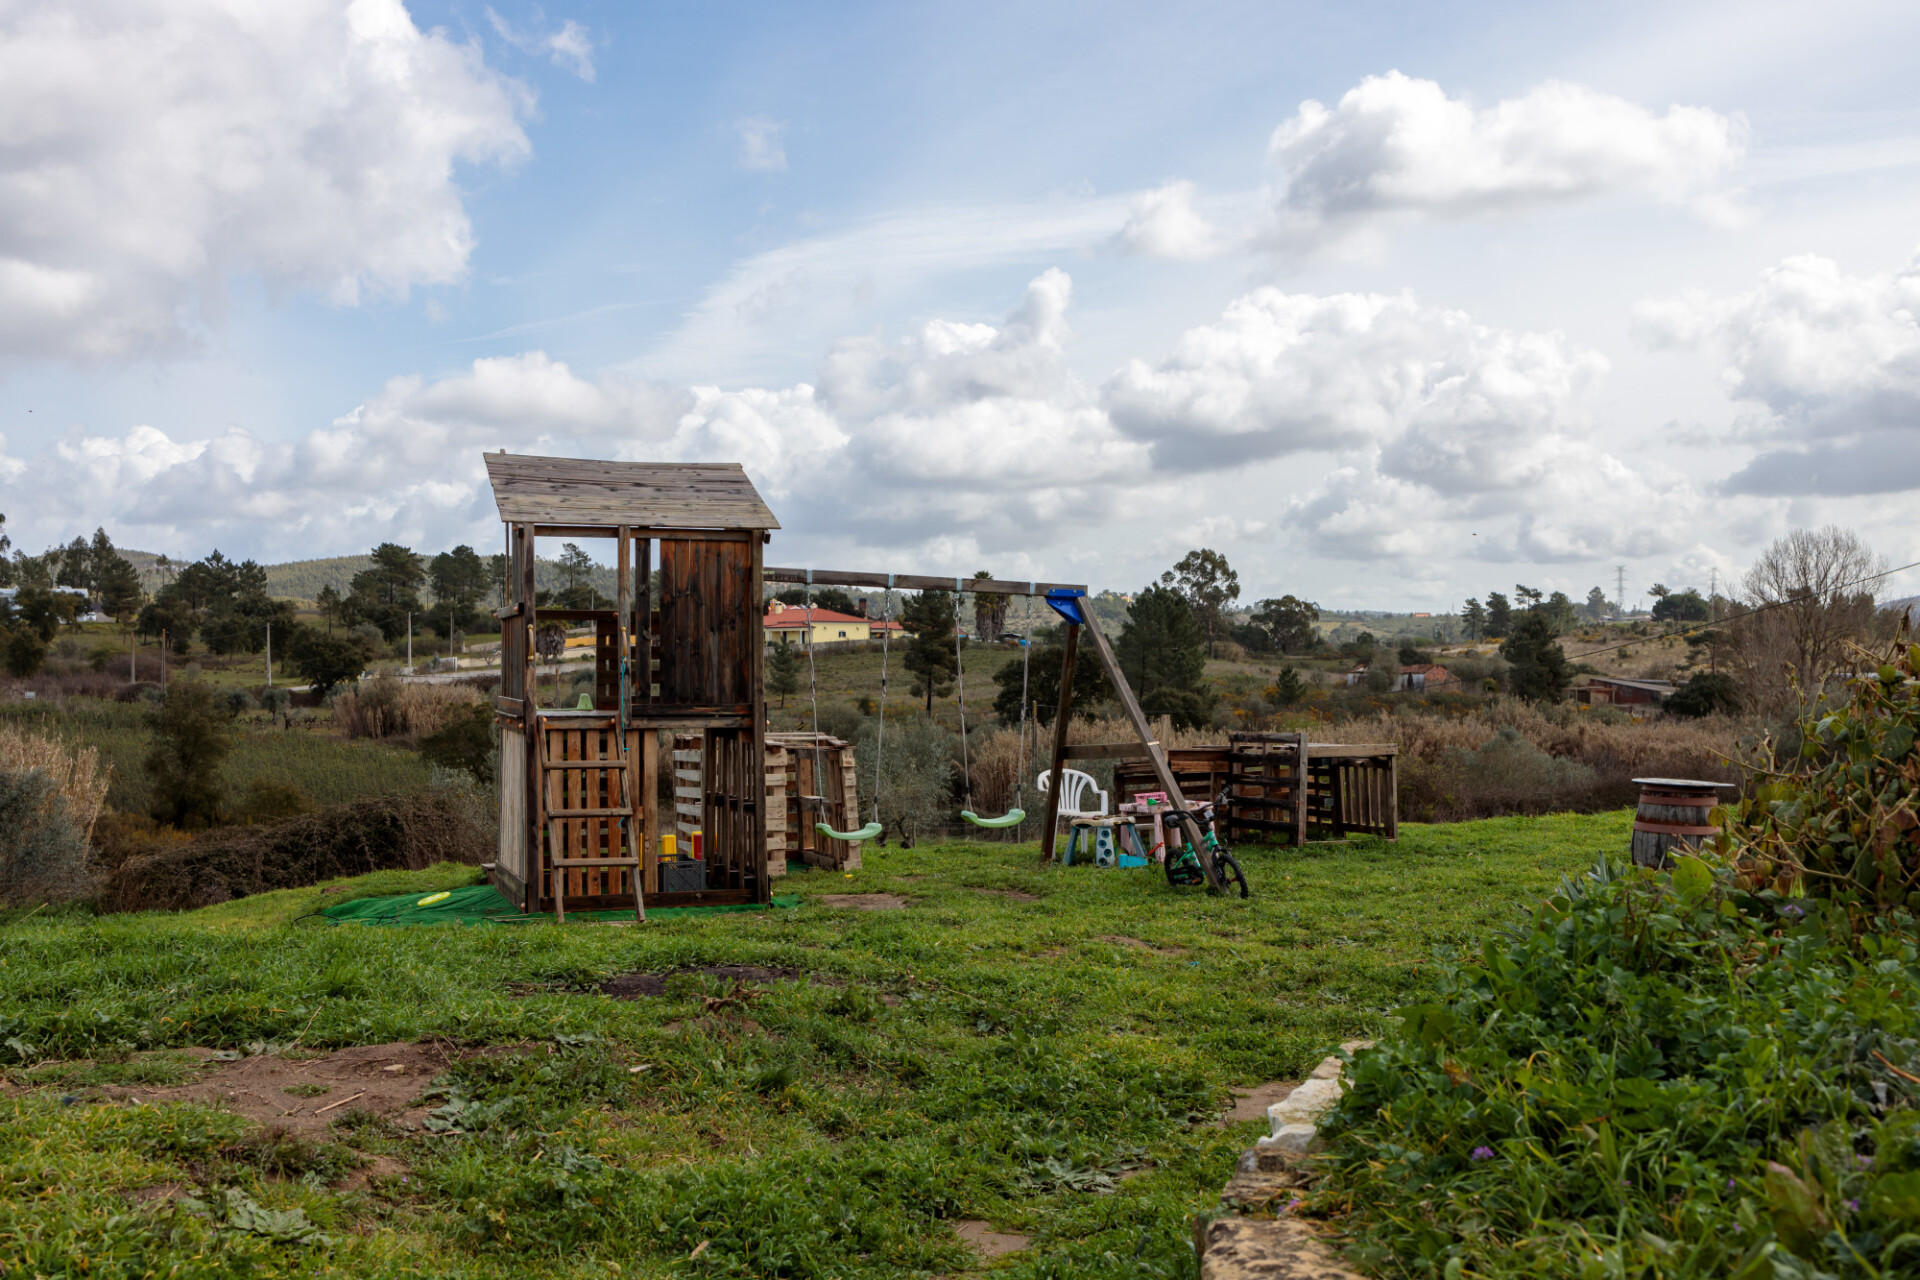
[915, 582]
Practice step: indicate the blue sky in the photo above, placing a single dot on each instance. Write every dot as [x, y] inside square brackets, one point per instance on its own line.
[1392, 304]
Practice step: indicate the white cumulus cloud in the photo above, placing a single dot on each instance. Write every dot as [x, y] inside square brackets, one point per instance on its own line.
[1396, 145]
[154, 149]
[1831, 363]
[1164, 223]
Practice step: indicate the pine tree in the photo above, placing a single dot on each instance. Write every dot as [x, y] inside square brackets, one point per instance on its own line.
[783, 672]
[1287, 688]
[1540, 670]
[1162, 654]
[930, 655]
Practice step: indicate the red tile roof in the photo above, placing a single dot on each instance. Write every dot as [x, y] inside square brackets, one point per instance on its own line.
[793, 617]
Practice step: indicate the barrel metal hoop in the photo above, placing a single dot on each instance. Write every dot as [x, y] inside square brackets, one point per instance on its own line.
[1672, 828]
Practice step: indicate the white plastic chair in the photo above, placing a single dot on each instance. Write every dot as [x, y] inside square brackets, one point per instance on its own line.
[1074, 786]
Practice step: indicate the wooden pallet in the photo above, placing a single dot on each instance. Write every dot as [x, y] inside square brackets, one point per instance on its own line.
[590, 845]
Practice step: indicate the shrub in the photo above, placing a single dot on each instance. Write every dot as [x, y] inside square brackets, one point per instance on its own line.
[1664, 1075]
[917, 772]
[384, 707]
[75, 772]
[325, 660]
[189, 741]
[1837, 818]
[43, 851]
[388, 832]
[467, 741]
[1707, 693]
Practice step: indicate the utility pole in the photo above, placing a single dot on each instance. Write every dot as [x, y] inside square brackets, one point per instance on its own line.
[133, 651]
[409, 642]
[269, 655]
[163, 657]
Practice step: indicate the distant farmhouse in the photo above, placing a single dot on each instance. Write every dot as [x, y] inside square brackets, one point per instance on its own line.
[1613, 691]
[787, 624]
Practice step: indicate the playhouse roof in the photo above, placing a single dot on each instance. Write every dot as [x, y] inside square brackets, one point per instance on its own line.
[651, 495]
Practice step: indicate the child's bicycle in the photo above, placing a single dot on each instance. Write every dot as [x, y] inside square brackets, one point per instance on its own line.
[1203, 857]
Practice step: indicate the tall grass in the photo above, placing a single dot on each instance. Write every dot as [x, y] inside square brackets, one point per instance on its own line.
[75, 772]
[386, 708]
[326, 769]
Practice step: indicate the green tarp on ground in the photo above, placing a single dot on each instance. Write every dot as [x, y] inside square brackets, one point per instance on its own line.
[482, 904]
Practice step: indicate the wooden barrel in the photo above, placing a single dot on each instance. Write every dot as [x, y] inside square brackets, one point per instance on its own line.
[1673, 815]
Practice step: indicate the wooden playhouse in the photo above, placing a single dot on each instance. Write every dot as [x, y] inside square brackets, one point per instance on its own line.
[579, 818]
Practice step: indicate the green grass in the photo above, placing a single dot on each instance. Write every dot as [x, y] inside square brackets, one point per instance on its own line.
[971, 1056]
[329, 770]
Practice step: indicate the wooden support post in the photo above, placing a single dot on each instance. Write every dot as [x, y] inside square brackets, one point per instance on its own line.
[650, 798]
[1060, 718]
[1302, 780]
[1138, 718]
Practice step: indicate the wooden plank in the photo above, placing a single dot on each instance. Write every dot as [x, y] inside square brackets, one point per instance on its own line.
[917, 582]
[1302, 752]
[1108, 751]
[1138, 718]
[1352, 751]
[529, 488]
[515, 707]
[1056, 770]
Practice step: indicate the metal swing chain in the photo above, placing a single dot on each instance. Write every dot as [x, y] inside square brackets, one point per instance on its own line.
[960, 694]
[880, 731]
[1020, 750]
[813, 695]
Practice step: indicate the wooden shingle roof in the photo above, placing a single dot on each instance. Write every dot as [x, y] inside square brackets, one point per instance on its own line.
[656, 495]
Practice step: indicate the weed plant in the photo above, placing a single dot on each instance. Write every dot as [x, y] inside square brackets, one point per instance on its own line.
[1055, 1066]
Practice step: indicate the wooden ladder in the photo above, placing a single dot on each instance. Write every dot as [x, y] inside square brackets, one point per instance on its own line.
[558, 817]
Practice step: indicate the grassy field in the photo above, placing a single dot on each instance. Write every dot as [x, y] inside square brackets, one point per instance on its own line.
[1046, 1051]
[329, 770]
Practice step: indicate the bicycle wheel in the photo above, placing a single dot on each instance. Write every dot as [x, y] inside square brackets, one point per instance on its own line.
[1231, 876]
[1183, 870]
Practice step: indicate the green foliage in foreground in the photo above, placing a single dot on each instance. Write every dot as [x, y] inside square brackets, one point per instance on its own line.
[1664, 1076]
[974, 1055]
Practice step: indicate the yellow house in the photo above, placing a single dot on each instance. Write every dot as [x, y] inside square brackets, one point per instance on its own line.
[787, 624]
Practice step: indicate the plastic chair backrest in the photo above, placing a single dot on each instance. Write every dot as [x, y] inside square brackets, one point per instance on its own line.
[1074, 786]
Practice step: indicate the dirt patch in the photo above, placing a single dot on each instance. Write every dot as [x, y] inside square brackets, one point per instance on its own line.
[1013, 895]
[864, 901]
[987, 1242]
[1051, 953]
[159, 1193]
[1135, 944]
[385, 1079]
[634, 986]
[376, 1167]
[1252, 1104]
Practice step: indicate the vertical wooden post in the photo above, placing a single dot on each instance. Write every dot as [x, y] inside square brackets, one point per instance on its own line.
[1302, 780]
[753, 775]
[1393, 796]
[650, 797]
[1060, 718]
[521, 570]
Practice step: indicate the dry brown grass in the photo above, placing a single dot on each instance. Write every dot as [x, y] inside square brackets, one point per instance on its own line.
[76, 772]
[386, 708]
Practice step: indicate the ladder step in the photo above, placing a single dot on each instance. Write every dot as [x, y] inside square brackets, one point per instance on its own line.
[585, 764]
[593, 862]
[567, 815]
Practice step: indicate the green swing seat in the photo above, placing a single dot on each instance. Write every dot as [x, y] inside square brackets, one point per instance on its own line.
[1012, 818]
[867, 832]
